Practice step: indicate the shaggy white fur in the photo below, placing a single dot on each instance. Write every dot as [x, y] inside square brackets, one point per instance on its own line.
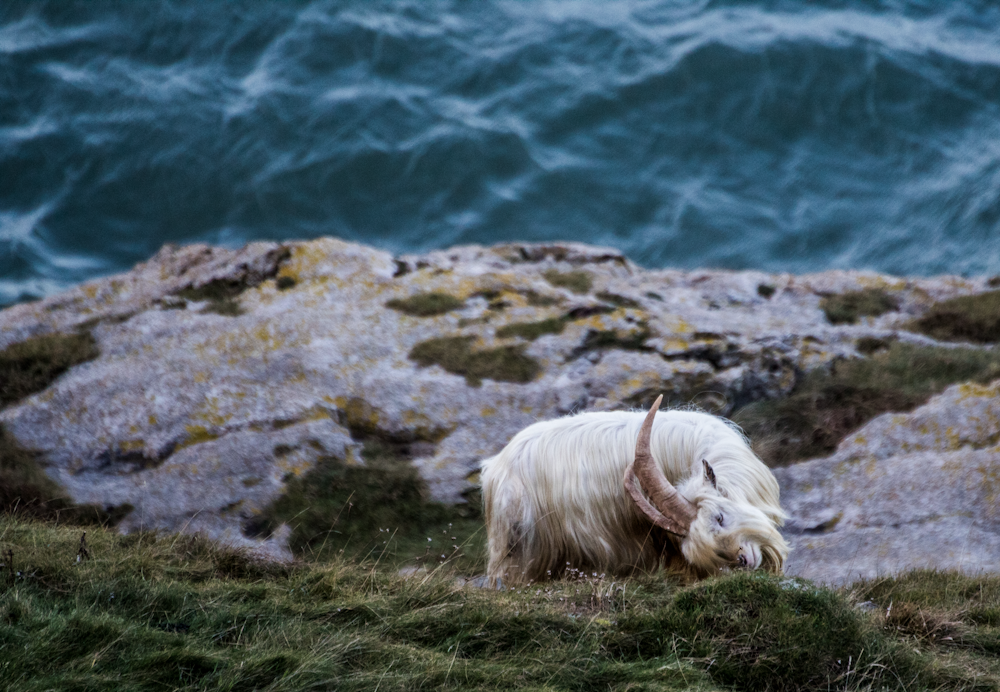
[555, 499]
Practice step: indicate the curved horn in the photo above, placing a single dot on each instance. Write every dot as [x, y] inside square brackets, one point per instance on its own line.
[665, 507]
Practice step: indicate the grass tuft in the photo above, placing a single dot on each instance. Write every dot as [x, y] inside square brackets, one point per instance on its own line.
[826, 406]
[967, 318]
[456, 355]
[425, 304]
[846, 308]
[149, 612]
[576, 281]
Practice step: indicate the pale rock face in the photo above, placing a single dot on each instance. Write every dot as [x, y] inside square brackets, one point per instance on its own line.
[197, 419]
[906, 491]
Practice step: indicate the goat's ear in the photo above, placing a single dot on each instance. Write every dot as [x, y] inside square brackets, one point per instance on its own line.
[709, 473]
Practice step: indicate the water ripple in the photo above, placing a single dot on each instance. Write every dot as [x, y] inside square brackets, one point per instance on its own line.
[774, 135]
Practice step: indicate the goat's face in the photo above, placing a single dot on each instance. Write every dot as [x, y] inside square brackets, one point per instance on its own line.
[715, 531]
[732, 535]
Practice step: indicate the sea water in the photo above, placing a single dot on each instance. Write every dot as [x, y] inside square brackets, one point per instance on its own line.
[784, 136]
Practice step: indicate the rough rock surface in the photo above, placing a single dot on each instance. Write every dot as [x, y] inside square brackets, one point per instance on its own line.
[906, 491]
[223, 371]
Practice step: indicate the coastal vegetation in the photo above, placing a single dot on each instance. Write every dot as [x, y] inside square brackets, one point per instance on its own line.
[102, 611]
[846, 308]
[973, 318]
[827, 404]
[577, 281]
[378, 510]
[425, 304]
[32, 365]
[456, 355]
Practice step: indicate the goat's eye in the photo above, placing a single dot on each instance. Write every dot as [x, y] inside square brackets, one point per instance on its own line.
[719, 518]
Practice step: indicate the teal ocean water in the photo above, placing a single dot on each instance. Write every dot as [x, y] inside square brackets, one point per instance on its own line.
[784, 136]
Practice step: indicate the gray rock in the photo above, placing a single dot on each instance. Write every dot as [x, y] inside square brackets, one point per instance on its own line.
[222, 371]
[906, 491]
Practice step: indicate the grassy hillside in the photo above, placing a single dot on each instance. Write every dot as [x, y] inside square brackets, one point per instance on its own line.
[142, 612]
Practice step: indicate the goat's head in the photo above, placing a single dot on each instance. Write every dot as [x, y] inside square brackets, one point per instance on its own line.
[715, 532]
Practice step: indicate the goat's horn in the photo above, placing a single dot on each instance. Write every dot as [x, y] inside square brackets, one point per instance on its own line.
[665, 507]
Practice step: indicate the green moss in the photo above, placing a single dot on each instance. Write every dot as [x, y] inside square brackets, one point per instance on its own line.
[576, 281]
[846, 308]
[967, 318]
[540, 300]
[826, 406]
[32, 365]
[765, 290]
[425, 304]
[285, 282]
[363, 421]
[532, 330]
[456, 355]
[625, 339]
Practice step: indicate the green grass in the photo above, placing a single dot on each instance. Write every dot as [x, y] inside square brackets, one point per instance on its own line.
[376, 510]
[826, 406]
[968, 318]
[456, 355]
[148, 612]
[425, 304]
[32, 365]
[576, 281]
[846, 308]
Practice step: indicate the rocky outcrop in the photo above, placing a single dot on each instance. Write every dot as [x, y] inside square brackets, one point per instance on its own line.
[906, 491]
[223, 373]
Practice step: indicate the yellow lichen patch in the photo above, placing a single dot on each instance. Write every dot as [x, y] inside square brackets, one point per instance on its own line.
[316, 413]
[132, 445]
[200, 377]
[990, 483]
[209, 412]
[888, 283]
[152, 419]
[352, 457]
[196, 435]
[338, 401]
[973, 390]
[293, 467]
[487, 411]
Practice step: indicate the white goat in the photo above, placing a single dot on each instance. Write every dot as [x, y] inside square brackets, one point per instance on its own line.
[565, 494]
